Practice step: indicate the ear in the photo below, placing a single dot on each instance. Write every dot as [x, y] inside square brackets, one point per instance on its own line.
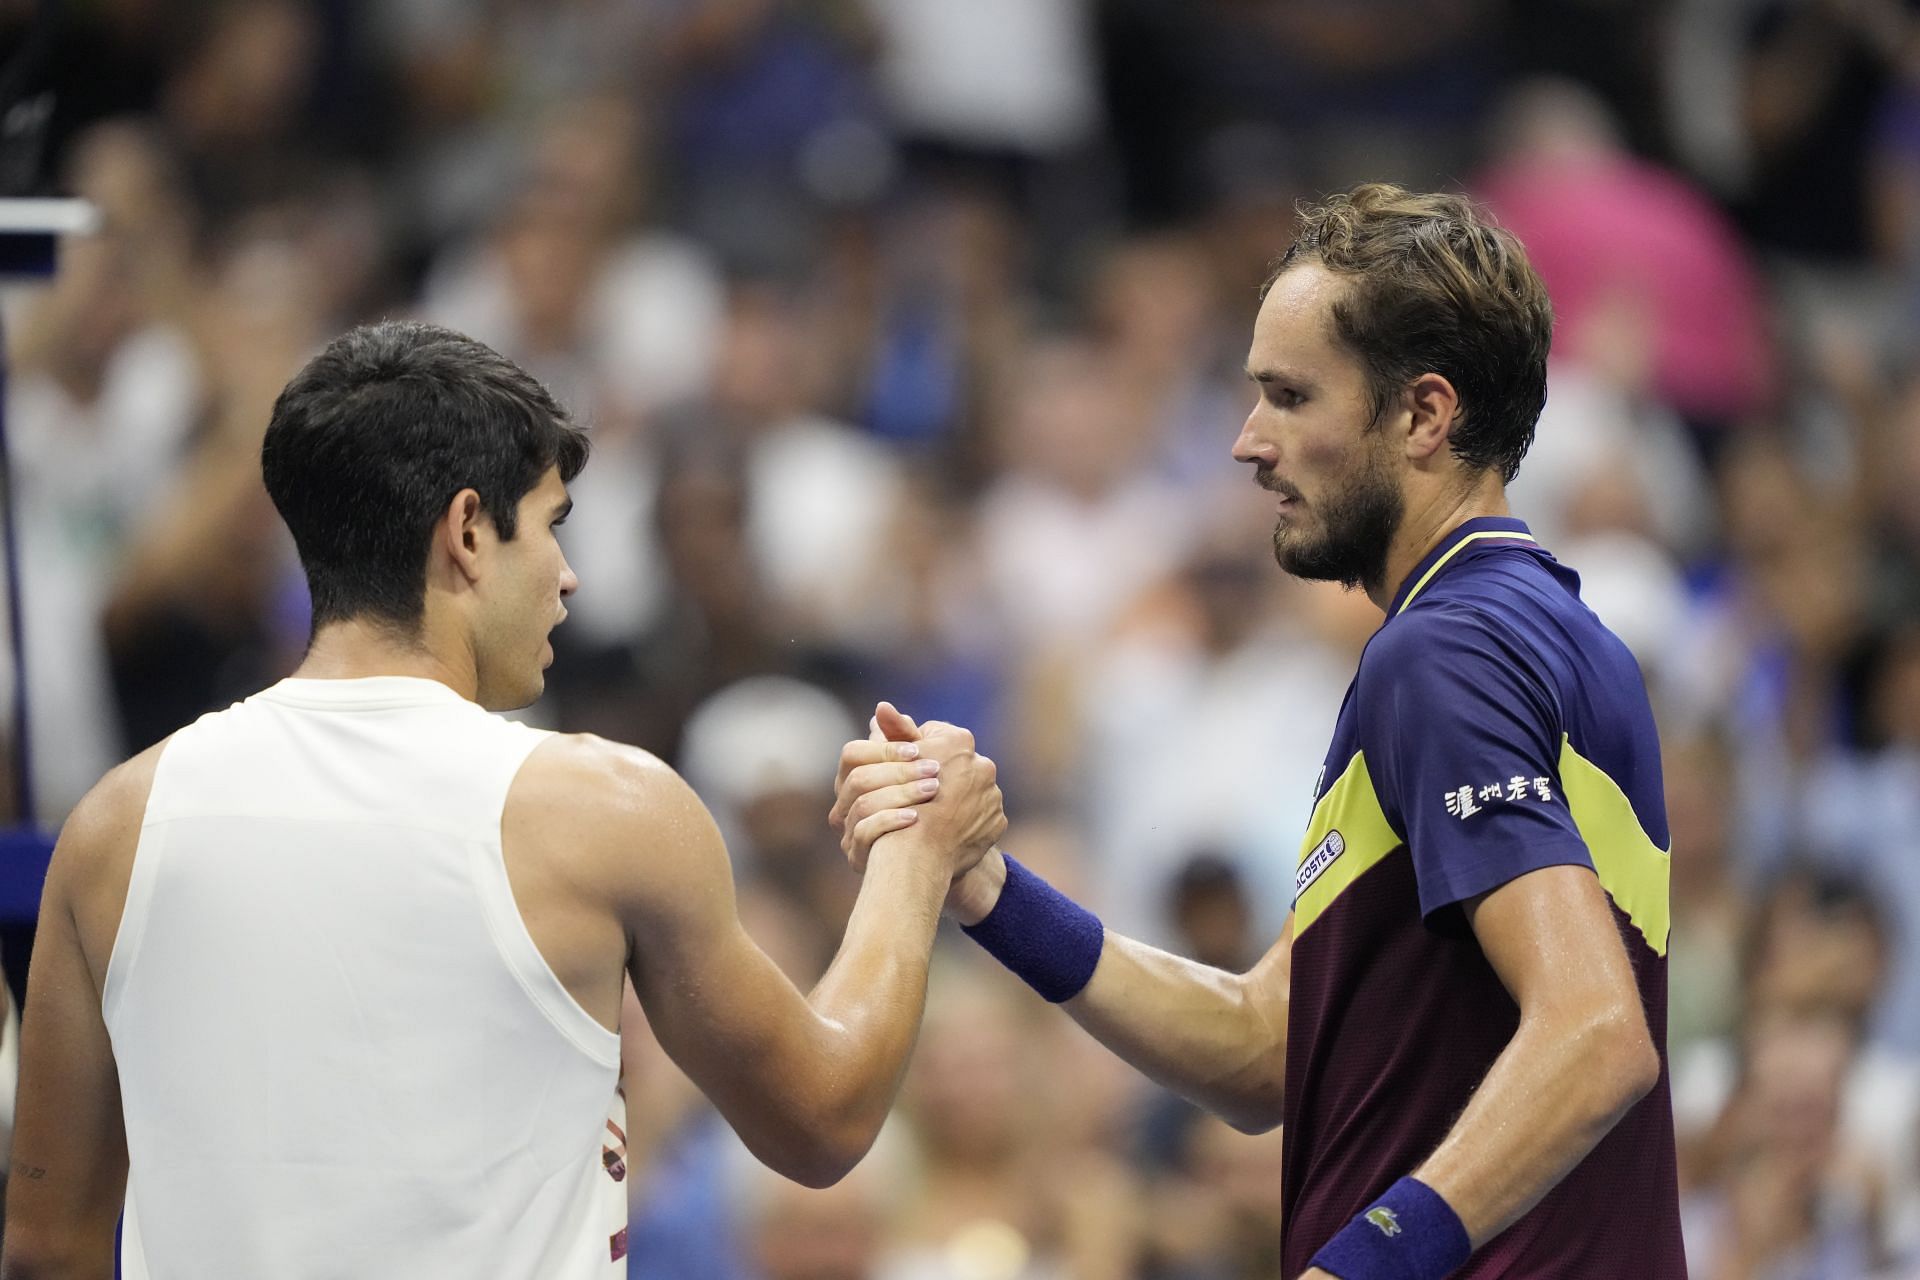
[462, 530]
[1433, 404]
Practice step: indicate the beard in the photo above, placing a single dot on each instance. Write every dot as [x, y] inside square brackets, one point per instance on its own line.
[1358, 521]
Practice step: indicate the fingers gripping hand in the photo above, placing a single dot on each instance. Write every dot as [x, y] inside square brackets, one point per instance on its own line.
[880, 797]
[891, 779]
[886, 765]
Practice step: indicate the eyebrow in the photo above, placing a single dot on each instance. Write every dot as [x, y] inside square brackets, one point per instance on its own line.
[1264, 376]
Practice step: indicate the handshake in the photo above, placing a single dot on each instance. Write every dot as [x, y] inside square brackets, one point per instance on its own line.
[923, 791]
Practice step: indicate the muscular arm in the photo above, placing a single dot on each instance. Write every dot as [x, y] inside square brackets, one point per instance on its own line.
[806, 1080]
[1581, 1057]
[1218, 1039]
[69, 1161]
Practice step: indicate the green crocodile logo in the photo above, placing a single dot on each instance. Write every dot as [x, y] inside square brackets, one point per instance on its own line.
[1383, 1218]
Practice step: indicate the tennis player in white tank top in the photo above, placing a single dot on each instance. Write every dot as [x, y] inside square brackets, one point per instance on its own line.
[329, 983]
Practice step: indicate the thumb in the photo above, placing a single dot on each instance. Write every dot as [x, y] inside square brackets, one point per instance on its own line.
[895, 724]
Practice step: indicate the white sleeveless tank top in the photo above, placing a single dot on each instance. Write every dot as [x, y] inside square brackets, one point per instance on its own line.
[340, 1052]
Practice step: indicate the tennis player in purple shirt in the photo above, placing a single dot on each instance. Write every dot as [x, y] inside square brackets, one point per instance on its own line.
[1463, 1024]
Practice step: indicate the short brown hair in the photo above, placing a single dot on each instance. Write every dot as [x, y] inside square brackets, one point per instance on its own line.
[1437, 288]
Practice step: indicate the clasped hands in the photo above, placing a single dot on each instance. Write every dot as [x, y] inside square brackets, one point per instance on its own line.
[927, 782]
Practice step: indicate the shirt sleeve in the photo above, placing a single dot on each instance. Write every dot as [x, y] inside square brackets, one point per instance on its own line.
[1462, 735]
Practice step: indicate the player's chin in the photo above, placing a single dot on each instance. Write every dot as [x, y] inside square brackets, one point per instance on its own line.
[1290, 540]
[533, 678]
[517, 696]
[529, 692]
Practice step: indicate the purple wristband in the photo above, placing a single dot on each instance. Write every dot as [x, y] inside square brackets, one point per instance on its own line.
[1409, 1233]
[1048, 940]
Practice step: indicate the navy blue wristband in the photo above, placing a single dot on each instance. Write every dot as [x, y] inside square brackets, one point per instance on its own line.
[1048, 940]
[1409, 1233]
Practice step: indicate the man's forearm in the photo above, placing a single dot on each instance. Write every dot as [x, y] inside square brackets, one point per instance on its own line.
[872, 996]
[1216, 1038]
[1552, 1094]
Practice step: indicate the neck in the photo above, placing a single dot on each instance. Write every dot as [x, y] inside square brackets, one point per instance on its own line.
[1427, 522]
[355, 648]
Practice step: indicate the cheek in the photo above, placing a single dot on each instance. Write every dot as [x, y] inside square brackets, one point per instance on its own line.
[1323, 462]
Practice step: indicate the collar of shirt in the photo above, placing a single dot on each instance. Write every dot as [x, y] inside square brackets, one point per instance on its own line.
[1498, 529]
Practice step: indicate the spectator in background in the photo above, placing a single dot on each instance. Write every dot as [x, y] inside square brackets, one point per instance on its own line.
[797, 1233]
[935, 642]
[1623, 243]
[1890, 476]
[1796, 1132]
[1002, 83]
[768, 124]
[1709, 910]
[1155, 306]
[240, 99]
[1660, 350]
[107, 386]
[1775, 641]
[1784, 1201]
[208, 604]
[1224, 660]
[996, 104]
[1216, 1215]
[997, 1187]
[754, 750]
[714, 626]
[1862, 808]
[1074, 450]
[1816, 74]
[979, 1202]
[940, 320]
[1212, 915]
[574, 278]
[468, 81]
[621, 317]
[818, 492]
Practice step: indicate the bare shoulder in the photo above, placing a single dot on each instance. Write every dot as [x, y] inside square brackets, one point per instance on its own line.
[105, 826]
[625, 819]
[597, 781]
[93, 859]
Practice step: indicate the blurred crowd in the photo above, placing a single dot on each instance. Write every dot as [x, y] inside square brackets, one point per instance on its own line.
[909, 334]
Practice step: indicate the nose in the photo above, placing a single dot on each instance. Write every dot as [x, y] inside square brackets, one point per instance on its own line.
[569, 581]
[1251, 446]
